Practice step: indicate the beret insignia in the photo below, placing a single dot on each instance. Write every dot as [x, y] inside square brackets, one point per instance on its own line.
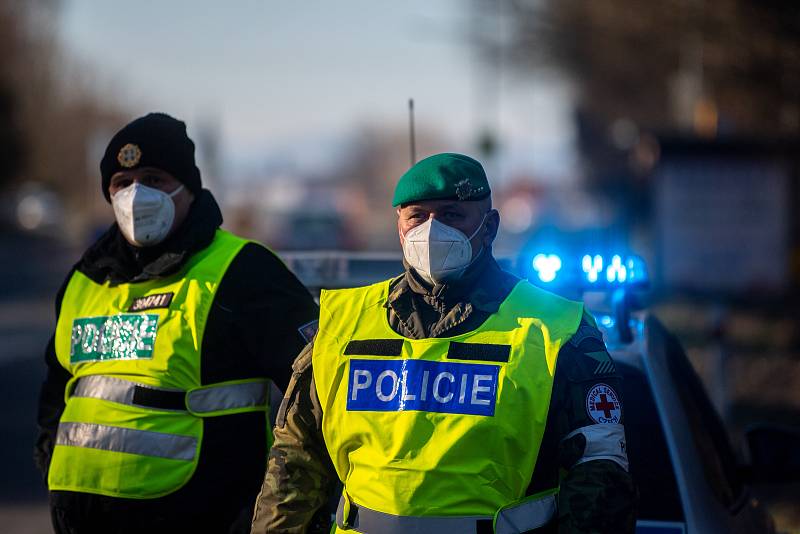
[464, 189]
[129, 155]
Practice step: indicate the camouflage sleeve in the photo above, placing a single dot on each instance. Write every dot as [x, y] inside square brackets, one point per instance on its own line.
[300, 477]
[597, 493]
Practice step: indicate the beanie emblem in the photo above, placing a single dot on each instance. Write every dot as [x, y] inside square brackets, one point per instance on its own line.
[129, 155]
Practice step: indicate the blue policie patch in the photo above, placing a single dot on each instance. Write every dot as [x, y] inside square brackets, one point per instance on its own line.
[422, 385]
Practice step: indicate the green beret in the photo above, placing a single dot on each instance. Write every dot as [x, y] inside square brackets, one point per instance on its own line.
[441, 177]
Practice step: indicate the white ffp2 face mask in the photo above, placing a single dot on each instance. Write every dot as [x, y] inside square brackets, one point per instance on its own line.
[144, 215]
[438, 252]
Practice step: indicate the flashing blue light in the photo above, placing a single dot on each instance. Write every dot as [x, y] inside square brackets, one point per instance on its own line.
[636, 269]
[616, 272]
[607, 321]
[546, 266]
[592, 271]
[592, 266]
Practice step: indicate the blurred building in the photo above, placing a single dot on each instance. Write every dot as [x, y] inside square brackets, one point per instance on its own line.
[726, 216]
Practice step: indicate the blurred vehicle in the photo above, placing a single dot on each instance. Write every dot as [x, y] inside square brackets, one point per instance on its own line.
[33, 207]
[305, 230]
[689, 477]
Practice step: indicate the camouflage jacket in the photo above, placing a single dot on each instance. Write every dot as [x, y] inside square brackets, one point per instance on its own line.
[301, 487]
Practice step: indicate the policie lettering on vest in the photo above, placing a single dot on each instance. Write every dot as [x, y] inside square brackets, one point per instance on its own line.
[115, 337]
[422, 385]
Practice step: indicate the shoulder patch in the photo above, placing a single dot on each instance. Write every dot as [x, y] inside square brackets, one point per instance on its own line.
[602, 404]
[584, 365]
[308, 330]
[604, 364]
[585, 355]
[584, 332]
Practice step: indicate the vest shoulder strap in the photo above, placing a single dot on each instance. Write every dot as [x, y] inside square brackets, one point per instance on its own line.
[339, 307]
[223, 249]
[367, 295]
[529, 301]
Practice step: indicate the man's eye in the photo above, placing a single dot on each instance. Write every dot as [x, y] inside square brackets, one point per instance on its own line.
[152, 179]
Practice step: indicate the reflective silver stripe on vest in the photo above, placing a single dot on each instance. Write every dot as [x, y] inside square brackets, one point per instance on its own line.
[228, 397]
[118, 439]
[526, 516]
[603, 442]
[111, 389]
[513, 520]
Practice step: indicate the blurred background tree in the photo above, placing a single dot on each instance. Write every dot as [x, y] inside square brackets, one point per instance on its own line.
[731, 66]
[641, 70]
[49, 117]
[11, 143]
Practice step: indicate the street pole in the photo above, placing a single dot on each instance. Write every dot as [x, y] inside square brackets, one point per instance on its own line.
[412, 142]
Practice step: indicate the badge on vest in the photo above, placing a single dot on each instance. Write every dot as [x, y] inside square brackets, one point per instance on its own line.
[126, 336]
[422, 385]
[151, 302]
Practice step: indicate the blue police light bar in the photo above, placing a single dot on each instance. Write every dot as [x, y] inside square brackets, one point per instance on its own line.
[590, 271]
[546, 266]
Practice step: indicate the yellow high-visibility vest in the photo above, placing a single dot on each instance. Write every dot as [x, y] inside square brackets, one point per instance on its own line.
[427, 433]
[132, 426]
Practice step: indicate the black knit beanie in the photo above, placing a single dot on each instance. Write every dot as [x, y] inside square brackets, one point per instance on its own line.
[155, 140]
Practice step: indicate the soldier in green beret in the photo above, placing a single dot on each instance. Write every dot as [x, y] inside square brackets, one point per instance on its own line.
[453, 398]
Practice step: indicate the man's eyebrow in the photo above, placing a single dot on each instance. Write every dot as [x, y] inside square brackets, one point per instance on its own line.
[414, 208]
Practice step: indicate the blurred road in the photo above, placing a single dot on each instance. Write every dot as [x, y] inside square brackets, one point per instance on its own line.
[31, 271]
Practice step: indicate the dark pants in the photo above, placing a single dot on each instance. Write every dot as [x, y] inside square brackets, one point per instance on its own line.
[82, 513]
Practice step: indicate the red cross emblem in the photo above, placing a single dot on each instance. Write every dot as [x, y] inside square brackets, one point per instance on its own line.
[602, 404]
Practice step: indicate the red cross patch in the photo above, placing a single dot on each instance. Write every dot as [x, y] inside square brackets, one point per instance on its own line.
[602, 404]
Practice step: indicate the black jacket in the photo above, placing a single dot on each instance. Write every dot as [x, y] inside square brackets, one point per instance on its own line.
[254, 329]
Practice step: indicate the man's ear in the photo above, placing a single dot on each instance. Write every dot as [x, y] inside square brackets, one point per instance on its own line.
[492, 223]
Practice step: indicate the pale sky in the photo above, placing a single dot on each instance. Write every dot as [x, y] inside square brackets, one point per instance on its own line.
[295, 78]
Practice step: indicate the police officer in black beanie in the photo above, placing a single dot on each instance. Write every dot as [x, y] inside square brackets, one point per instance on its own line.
[172, 337]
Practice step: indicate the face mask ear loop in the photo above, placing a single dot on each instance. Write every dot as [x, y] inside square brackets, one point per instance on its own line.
[478, 229]
[478, 255]
[172, 195]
